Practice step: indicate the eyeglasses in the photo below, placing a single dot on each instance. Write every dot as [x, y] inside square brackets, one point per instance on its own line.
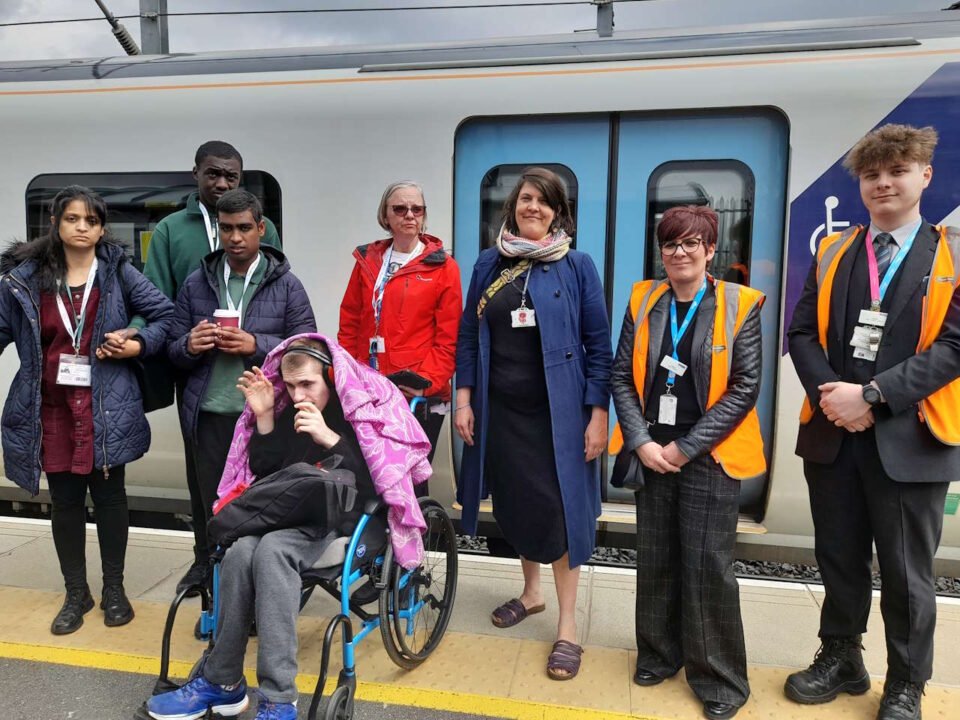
[689, 246]
[402, 210]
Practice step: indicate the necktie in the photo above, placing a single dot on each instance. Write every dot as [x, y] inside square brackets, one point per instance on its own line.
[883, 247]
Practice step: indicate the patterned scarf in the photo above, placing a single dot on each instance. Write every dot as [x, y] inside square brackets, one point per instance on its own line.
[549, 249]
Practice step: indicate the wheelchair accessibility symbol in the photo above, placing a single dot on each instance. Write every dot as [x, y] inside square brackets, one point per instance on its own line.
[830, 226]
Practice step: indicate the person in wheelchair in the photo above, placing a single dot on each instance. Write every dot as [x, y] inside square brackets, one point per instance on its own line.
[260, 576]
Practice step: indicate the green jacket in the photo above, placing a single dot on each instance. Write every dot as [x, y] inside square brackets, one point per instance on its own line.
[179, 244]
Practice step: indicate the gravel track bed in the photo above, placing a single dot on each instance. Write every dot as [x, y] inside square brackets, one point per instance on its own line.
[790, 572]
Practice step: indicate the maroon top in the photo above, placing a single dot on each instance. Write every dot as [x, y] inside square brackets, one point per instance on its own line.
[66, 412]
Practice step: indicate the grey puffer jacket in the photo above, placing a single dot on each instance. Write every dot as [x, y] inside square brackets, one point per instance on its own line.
[120, 429]
[278, 308]
[719, 421]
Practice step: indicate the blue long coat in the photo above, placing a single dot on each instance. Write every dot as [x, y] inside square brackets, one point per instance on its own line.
[575, 336]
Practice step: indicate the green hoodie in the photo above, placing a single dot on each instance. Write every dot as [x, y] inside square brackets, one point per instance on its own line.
[179, 244]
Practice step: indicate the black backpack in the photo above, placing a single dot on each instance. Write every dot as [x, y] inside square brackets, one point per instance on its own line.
[301, 495]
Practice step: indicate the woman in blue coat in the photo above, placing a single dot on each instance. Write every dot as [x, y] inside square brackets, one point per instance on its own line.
[74, 409]
[533, 373]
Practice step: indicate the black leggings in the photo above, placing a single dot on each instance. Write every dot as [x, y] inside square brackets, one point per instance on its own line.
[431, 424]
[68, 493]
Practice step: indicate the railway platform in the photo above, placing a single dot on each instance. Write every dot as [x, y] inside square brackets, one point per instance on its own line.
[477, 672]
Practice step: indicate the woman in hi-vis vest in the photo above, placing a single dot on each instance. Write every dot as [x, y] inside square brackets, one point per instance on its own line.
[685, 381]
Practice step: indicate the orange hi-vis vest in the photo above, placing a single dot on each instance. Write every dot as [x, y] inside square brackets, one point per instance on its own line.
[740, 454]
[939, 410]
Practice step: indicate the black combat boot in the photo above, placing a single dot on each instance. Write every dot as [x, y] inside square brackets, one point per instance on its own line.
[836, 668]
[901, 700]
[115, 605]
[76, 604]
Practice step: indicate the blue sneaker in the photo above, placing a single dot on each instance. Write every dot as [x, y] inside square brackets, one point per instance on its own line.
[192, 701]
[267, 710]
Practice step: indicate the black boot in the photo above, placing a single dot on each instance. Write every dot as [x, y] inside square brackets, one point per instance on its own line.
[198, 574]
[901, 700]
[838, 667]
[76, 604]
[116, 608]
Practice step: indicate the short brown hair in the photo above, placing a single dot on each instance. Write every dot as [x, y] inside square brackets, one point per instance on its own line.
[554, 192]
[296, 360]
[686, 221]
[890, 144]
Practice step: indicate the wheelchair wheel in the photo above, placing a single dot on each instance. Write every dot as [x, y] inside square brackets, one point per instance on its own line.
[340, 705]
[416, 605]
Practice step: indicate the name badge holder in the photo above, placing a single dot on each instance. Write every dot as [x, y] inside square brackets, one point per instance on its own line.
[868, 334]
[667, 414]
[74, 370]
[213, 230]
[524, 317]
[238, 308]
[377, 344]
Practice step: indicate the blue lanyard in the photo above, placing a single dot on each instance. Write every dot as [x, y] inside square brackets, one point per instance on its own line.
[676, 335]
[897, 262]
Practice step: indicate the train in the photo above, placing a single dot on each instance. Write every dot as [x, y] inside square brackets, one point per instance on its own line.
[751, 119]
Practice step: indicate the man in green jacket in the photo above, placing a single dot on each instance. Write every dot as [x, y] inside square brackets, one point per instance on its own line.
[179, 243]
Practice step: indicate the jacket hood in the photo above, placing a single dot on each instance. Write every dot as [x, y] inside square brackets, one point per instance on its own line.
[433, 253]
[107, 250]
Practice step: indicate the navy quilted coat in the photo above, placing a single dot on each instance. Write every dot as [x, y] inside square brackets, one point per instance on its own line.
[120, 430]
[278, 309]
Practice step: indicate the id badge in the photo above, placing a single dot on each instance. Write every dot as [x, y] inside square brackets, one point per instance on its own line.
[674, 366]
[864, 354]
[74, 370]
[875, 318]
[867, 338]
[377, 345]
[523, 317]
[668, 410]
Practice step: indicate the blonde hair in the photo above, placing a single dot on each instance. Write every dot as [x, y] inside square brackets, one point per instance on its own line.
[890, 144]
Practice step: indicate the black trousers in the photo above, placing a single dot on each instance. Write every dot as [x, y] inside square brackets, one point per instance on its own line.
[214, 435]
[200, 551]
[856, 504]
[431, 424]
[68, 494]
[688, 600]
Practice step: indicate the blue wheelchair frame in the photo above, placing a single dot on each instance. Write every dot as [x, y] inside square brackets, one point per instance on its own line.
[348, 575]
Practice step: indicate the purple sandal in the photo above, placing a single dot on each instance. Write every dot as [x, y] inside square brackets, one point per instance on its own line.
[564, 662]
[513, 612]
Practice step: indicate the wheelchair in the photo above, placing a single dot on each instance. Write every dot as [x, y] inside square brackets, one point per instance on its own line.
[414, 605]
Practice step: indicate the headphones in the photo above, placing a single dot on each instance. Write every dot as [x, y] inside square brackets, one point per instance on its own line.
[324, 359]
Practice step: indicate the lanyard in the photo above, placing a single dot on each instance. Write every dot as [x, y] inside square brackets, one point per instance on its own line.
[246, 283]
[877, 288]
[380, 289]
[76, 331]
[213, 232]
[526, 282]
[676, 335]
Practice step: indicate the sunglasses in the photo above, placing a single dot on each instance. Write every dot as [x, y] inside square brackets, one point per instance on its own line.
[402, 210]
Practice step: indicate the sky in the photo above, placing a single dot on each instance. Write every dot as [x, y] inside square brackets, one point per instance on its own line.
[197, 34]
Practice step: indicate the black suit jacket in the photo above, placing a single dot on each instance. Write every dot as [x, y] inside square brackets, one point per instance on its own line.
[908, 451]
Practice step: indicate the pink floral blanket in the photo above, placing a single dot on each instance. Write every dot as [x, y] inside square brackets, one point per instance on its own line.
[391, 440]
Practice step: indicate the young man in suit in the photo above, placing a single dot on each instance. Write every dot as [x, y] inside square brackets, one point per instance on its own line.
[875, 339]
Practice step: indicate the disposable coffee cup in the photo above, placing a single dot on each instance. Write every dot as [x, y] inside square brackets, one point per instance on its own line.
[226, 318]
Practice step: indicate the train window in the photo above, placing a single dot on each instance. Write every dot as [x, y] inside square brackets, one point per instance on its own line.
[496, 186]
[725, 185]
[138, 201]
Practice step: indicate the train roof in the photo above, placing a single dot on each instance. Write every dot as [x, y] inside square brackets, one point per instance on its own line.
[770, 37]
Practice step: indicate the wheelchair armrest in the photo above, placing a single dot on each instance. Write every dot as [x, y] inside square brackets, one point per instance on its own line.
[372, 507]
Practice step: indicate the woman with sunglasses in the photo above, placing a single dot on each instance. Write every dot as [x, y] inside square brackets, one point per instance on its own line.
[685, 381]
[401, 309]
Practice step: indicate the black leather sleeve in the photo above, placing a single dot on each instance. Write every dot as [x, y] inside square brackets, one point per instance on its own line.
[625, 398]
[743, 388]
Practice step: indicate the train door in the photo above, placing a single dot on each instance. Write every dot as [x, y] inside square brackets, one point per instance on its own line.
[735, 162]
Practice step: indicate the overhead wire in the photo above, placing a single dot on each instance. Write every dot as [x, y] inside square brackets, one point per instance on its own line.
[402, 8]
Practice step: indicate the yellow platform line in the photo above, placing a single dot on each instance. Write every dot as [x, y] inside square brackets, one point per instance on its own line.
[483, 705]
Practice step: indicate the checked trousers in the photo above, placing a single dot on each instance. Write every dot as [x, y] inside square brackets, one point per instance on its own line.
[688, 600]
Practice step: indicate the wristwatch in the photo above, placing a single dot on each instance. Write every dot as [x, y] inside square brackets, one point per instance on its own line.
[871, 395]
